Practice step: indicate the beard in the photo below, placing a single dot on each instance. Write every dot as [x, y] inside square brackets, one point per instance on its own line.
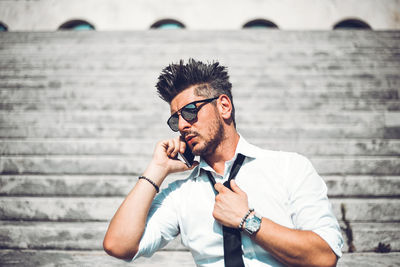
[214, 137]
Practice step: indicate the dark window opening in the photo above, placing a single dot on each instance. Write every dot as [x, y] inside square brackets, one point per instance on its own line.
[168, 24]
[260, 24]
[352, 24]
[3, 27]
[77, 25]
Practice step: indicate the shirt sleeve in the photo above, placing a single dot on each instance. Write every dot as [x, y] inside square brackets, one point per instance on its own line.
[311, 209]
[162, 223]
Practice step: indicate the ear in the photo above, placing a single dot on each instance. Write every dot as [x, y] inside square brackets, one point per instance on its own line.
[225, 107]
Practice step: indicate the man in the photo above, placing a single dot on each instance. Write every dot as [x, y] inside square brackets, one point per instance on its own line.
[277, 199]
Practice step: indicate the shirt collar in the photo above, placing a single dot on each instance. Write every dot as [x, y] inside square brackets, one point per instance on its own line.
[243, 147]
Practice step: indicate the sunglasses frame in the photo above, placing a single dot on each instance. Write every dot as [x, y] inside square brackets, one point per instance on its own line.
[197, 109]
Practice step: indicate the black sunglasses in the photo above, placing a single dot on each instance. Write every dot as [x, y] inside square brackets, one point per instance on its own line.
[188, 112]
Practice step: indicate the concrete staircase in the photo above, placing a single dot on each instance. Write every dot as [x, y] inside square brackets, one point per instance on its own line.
[79, 117]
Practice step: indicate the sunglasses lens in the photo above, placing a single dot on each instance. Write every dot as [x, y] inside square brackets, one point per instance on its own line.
[189, 112]
[173, 122]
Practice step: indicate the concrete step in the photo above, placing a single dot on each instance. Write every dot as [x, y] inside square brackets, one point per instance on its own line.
[363, 186]
[113, 74]
[106, 79]
[235, 51]
[98, 62]
[34, 258]
[369, 259]
[256, 117]
[61, 235]
[125, 58]
[235, 42]
[367, 236]
[300, 132]
[286, 38]
[161, 131]
[63, 258]
[259, 92]
[145, 147]
[103, 208]
[135, 104]
[387, 165]
[366, 210]
[89, 236]
[120, 185]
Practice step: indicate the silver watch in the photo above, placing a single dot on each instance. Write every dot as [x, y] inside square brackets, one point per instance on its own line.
[253, 224]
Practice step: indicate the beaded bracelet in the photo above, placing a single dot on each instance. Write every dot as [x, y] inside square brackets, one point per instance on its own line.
[244, 219]
[150, 181]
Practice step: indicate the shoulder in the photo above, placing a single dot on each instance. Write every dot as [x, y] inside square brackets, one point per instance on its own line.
[286, 163]
[255, 151]
[278, 155]
[292, 162]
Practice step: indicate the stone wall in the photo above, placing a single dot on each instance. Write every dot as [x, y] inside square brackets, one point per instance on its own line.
[49, 15]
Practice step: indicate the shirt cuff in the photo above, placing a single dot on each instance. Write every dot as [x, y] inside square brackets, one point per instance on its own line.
[335, 241]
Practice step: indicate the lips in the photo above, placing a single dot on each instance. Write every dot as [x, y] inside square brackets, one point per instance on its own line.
[189, 138]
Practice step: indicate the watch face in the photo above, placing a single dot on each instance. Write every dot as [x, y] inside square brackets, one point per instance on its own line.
[253, 224]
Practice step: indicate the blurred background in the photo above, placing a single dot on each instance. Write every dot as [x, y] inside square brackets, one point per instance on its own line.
[79, 115]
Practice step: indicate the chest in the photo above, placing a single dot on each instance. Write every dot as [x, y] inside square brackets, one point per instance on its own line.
[266, 194]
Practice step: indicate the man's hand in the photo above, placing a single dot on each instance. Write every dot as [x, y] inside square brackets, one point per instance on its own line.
[230, 206]
[165, 160]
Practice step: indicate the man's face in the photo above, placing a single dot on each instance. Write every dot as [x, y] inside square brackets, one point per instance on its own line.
[206, 132]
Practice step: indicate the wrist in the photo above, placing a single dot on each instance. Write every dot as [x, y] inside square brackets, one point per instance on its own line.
[156, 187]
[243, 220]
[156, 173]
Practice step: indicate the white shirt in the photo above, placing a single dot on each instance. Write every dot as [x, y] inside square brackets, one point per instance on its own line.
[281, 186]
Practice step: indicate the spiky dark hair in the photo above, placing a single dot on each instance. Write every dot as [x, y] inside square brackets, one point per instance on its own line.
[212, 80]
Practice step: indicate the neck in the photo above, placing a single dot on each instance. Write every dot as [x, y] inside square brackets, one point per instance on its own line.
[225, 151]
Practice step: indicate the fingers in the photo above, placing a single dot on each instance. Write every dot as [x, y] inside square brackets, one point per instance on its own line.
[166, 153]
[220, 188]
[182, 144]
[165, 156]
[236, 188]
[174, 146]
[170, 147]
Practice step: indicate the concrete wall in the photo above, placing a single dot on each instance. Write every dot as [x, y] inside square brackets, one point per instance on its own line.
[48, 15]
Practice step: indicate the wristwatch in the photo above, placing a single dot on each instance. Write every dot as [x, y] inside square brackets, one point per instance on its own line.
[253, 224]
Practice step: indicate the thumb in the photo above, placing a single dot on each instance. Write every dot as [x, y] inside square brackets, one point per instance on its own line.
[236, 188]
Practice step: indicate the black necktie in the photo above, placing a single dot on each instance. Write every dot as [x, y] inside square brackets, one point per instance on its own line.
[232, 239]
